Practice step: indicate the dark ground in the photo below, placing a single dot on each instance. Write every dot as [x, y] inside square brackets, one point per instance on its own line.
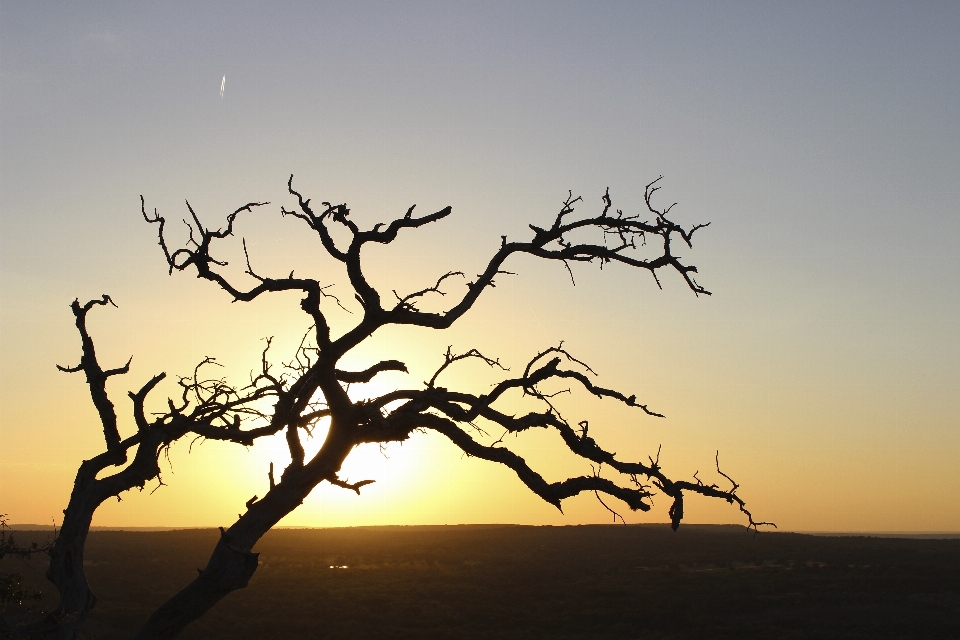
[537, 582]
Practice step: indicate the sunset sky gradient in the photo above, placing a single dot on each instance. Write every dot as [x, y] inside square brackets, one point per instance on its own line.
[821, 140]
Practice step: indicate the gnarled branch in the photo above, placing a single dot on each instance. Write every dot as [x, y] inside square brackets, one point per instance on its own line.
[96, 376]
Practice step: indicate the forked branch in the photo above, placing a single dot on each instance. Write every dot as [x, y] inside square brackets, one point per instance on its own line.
[96, 376]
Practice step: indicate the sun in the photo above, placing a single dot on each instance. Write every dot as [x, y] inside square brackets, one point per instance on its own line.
[389, 465]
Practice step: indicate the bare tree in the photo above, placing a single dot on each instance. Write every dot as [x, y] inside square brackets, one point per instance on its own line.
[313, 387]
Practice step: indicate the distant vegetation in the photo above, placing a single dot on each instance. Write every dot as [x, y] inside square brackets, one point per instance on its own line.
[638, 581]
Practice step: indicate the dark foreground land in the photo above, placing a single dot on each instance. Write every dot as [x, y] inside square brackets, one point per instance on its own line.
[537, 582]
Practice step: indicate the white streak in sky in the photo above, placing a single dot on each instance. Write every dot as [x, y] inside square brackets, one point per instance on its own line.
[223, 83]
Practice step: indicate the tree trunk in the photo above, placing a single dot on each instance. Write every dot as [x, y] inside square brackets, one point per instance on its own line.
[66, 564]
[232, 562]
[229, 569]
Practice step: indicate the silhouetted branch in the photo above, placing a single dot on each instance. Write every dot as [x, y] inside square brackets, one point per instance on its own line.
[442, 409]
[404, 302]
[555, 492]
[334, 480]
[596, 472]
[368, 374]
[96, 376]
[449, 358]
[197, 255]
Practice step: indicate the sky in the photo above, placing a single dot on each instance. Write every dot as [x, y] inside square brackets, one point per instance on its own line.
[820, 140]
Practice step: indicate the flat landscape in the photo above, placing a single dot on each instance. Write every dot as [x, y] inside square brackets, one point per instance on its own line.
[501, 581]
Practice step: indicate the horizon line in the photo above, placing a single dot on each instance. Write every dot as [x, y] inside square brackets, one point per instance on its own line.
[819, 532]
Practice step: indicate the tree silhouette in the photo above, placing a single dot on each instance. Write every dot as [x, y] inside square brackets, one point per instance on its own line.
[312, 387]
